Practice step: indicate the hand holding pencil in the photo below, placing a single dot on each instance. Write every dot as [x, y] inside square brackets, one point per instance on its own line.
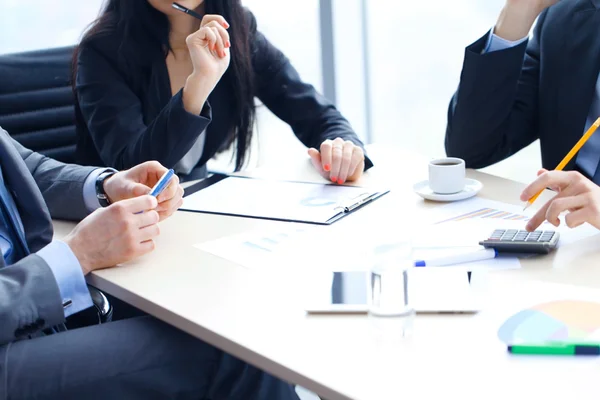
[577, 194]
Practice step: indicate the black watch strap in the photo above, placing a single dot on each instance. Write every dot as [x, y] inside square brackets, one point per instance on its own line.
[100, 193]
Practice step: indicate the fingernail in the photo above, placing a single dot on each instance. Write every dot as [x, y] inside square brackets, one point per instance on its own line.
[223, 54]
[225, 25]
[340, 181]
[333, 179]
[327, 167]
[228, 44]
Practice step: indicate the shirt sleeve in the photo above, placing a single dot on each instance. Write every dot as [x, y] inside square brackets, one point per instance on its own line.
[69, 277]
[496, 43]
[89, 189]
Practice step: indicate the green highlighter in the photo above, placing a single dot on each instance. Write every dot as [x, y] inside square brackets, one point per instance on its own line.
[556, 349]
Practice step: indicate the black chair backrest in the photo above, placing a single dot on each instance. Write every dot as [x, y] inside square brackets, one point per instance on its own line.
[37, 103]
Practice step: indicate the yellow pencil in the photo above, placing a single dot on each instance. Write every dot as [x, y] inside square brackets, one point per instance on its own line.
[569, 156]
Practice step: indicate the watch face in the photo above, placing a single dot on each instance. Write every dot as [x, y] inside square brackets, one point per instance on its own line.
[100, 193]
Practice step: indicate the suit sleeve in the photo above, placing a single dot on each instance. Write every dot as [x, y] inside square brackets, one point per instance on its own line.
[114, 117]
[61, 184]
[30, 300]
[494, 112]
[311, 116]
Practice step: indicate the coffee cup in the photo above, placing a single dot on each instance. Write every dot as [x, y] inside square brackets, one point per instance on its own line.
[447, 175]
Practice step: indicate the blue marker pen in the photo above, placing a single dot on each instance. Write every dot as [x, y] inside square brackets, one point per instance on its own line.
[162, 183]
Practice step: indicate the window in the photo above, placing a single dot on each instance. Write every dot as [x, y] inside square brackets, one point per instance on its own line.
[41, 24]
[415, 53]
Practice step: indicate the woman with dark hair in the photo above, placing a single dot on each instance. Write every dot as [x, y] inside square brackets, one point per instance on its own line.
[153, 83]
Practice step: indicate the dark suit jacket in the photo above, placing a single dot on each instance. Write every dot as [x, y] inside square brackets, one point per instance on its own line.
[540, 90]
[126, 114]
[30, 300]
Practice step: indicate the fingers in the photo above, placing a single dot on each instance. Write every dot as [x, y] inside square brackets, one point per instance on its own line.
[170, 191]
[167, 213]
[559, 179]
[563, 204]
[219, 44]
[210, 18]
[207, 36]
[146, 247]
[315, 159]
[337, 153]
[578, 218]
[357, 164]
[147, 173]
[168, 207]
[326, 157]
[148, 233]
[146, 219]
[347, 153]
[553, 188]
[139, 189]
[540, 216]
[222, 34]
[138, 204]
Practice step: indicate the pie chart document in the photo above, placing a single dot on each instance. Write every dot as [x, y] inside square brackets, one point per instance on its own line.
[277, 200]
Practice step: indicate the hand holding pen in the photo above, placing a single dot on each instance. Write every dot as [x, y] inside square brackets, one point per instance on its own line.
[209, 50]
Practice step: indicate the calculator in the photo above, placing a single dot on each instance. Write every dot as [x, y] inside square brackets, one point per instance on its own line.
[521, 241]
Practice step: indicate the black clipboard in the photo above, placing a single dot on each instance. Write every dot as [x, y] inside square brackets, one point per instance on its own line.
[345, 209]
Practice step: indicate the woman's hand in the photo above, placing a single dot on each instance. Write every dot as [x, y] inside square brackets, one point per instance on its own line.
[338, 160]
[577, 195]
[209, 51]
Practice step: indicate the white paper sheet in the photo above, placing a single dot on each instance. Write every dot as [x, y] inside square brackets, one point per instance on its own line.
[463, 222]
[308, 202]
[307, 248]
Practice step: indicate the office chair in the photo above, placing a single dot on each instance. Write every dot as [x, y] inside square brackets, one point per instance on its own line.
[37, 108]
[37, 103]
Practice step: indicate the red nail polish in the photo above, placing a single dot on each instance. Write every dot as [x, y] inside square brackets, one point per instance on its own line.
[225, 25]
[340, 181]
[333, 179]
[228, 44]
[327, 167]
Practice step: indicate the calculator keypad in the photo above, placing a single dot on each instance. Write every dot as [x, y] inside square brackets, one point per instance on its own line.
[513, 235]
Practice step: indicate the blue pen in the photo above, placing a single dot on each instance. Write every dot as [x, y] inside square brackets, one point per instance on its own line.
[462, 258]
[162, 183]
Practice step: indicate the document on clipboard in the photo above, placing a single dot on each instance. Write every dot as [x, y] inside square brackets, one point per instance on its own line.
[312, 203]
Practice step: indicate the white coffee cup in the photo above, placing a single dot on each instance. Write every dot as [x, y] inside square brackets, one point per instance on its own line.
[447, 175]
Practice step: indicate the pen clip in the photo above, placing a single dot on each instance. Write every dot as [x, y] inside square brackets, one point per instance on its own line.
[353, 203]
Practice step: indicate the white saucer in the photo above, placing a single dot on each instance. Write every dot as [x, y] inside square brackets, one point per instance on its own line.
[472, 187]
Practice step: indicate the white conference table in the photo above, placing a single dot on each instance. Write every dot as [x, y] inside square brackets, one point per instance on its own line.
[257, 317]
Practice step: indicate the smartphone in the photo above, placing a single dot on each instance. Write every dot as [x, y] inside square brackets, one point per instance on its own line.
[162, 183]
[437, 292]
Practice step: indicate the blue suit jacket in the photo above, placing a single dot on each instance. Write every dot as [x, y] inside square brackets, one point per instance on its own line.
[537, 90]
[43, 189]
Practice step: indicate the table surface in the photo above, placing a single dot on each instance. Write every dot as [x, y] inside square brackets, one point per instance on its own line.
[257, 317]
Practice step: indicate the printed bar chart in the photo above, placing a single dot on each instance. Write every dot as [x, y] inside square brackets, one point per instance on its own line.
[487, 213]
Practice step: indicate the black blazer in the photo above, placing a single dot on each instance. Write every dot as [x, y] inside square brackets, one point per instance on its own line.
[126, 113]
[540, 90]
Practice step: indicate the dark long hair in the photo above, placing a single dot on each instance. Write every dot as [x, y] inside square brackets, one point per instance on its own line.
[141, 25]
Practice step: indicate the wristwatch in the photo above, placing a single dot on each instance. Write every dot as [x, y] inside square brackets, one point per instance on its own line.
[100, 193]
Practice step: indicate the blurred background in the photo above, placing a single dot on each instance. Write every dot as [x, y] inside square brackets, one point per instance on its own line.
[390, 66]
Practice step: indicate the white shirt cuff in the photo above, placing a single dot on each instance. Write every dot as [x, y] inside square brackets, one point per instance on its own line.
[69, 277]
[496, 43]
